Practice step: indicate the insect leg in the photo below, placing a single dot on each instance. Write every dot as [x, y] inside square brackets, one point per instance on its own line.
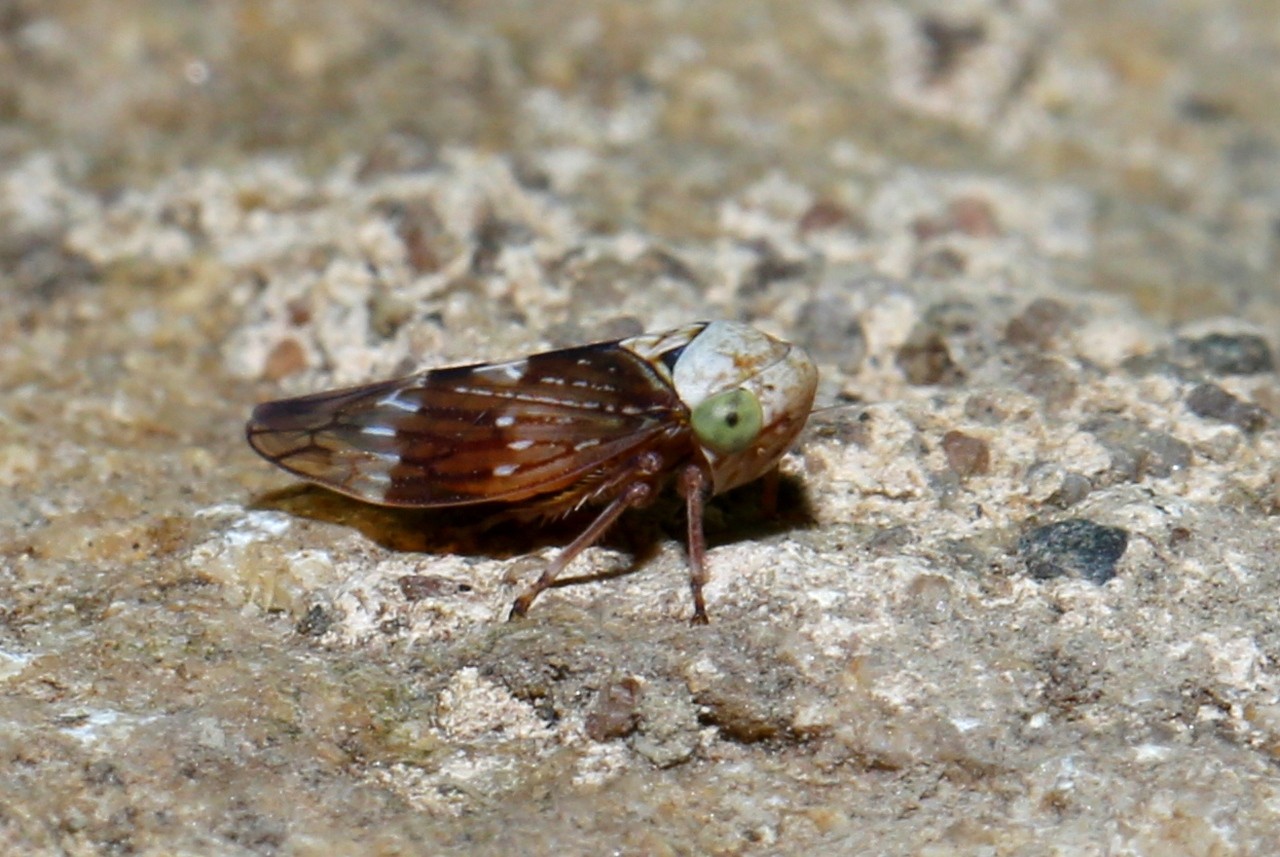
[693, 485]
[635, 494]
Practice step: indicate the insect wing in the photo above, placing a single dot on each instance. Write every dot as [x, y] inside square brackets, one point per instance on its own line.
[471, 434]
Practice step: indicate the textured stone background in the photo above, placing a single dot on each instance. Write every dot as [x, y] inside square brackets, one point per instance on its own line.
[1020, 598]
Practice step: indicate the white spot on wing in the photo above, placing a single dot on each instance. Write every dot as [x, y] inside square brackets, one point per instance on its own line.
[520, 444]
[520, 395]
[394, 401]
[504, 421]
[586, 444]
[378, 431]
[503, 373]
[505, 469]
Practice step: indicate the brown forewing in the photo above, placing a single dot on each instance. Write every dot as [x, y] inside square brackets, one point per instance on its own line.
[556, 425]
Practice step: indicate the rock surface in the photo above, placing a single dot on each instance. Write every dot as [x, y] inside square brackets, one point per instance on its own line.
[1031, 245]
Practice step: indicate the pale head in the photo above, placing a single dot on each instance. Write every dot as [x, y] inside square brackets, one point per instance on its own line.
[748, 396]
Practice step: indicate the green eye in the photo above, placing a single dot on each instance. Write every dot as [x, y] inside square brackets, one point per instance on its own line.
[728, 422]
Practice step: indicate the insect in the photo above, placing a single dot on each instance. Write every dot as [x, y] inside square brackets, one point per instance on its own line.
[710, 406]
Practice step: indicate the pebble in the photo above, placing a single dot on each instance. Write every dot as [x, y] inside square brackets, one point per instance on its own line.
[966, 455]
[616, 711]
[1231, 354]
[1214, 403]
[1076, 547]
[1137, 451]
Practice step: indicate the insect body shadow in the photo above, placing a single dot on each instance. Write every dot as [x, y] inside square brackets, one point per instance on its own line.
[494, 531]
[477, 531]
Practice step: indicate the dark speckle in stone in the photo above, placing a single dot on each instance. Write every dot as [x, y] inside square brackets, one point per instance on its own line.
[1037, 324]
[1075, 487]
[1074, 548]
[925, 359]
[1231, 354]
[986, 408]
[422, 233]
[969, 215]
[493, 235]
[845, 425]
[750, 700]
[657, 262]
[316, 623]
[1137, 451]
[947, 43]
[1214, 403]
[1157, 363]
[769, 270]
[42, 267]
[966, 455]
[615, 713]
[1205, 108]
[825, 214]
[949, 338]
[416, 587]
[1048, 379]
[940, 263]
[891, 539]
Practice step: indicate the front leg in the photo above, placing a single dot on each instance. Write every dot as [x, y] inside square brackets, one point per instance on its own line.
[694, 487]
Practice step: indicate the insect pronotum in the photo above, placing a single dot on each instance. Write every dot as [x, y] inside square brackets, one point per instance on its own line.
[711, 405]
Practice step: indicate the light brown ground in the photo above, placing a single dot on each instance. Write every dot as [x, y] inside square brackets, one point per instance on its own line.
[1007, 221]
